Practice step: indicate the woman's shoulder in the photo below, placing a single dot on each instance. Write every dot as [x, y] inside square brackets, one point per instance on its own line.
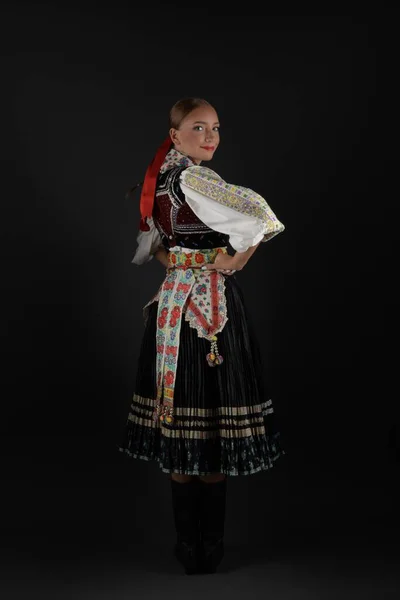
[189, 175]
[170, 175]
[201, 172]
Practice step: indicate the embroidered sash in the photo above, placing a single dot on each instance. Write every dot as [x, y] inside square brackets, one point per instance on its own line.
[200, 295]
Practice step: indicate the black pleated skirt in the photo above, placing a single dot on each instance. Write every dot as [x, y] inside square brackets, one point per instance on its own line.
[224, 418]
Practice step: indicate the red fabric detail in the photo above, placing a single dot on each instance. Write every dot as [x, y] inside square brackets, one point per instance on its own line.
[214, 297]
[214, 306]
[149, 183]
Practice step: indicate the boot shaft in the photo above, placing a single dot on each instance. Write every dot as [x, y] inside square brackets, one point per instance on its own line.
[212, 508]
[185, 507]
[199, 514]
[212, 524]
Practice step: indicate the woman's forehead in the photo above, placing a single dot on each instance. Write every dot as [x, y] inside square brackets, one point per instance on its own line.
[203, 115]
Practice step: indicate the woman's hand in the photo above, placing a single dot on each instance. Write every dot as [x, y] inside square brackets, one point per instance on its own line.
[224, 263]
[229, 264]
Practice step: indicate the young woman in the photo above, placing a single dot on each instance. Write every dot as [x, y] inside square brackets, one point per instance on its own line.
[199, 407]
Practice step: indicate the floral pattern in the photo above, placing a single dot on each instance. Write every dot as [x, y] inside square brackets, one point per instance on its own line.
[241, 199]
[175, 159]
[183, 291]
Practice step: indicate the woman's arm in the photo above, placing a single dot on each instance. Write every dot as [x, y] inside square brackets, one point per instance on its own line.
[236, 211]
[228, 262]
[241, 258]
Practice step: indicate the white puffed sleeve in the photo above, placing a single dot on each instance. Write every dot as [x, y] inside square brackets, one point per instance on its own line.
[236, 211]
[148, 243]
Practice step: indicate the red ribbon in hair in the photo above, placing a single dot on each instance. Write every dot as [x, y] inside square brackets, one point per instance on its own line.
[149, 183]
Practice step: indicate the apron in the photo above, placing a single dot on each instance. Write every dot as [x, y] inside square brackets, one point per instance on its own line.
[200, 296]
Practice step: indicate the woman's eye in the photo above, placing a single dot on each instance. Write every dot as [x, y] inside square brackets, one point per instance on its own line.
[198, 127]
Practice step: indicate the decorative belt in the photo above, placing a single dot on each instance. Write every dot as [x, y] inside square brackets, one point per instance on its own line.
[200, 294]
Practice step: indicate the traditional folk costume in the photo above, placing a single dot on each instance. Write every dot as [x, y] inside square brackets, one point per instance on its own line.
[199, 405]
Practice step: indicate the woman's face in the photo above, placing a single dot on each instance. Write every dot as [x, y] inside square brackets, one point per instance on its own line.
[198, 134]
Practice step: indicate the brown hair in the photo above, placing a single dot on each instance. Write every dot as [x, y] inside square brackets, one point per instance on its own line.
[182, 108]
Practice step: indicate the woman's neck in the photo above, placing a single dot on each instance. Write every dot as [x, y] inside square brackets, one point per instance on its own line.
[195, 160]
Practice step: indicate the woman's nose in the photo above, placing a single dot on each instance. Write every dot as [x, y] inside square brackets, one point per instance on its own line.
[209, 135]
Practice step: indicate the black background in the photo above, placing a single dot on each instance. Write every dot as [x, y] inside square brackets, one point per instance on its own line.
[86, 91]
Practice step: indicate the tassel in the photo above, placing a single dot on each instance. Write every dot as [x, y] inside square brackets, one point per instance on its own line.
[168, 415]
[214, 358]
[156, 413]
[163, 413]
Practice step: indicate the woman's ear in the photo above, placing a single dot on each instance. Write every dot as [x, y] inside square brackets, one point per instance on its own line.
[174, 135]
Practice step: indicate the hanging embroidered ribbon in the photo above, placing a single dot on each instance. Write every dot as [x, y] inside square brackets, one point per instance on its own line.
[201, 296]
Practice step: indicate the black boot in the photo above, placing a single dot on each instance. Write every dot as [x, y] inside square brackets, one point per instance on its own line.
[212, 521]
[185, 509]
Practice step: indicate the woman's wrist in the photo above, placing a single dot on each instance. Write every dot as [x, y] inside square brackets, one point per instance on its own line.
[241, 258]
[237, 262]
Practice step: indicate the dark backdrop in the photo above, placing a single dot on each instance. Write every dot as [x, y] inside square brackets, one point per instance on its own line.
[87, 92]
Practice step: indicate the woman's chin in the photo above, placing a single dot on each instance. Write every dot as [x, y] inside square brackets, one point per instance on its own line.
[207, 156]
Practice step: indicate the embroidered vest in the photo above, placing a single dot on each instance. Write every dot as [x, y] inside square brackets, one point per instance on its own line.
[177, 224]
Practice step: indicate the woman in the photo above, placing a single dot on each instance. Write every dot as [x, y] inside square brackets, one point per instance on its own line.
[199, 407]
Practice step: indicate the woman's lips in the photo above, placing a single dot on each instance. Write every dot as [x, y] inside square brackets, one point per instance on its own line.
[208, 147]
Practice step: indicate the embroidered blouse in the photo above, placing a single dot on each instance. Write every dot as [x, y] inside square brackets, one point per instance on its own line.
[195, 208]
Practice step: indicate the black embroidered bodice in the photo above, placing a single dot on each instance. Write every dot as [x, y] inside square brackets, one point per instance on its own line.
[177, 224]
